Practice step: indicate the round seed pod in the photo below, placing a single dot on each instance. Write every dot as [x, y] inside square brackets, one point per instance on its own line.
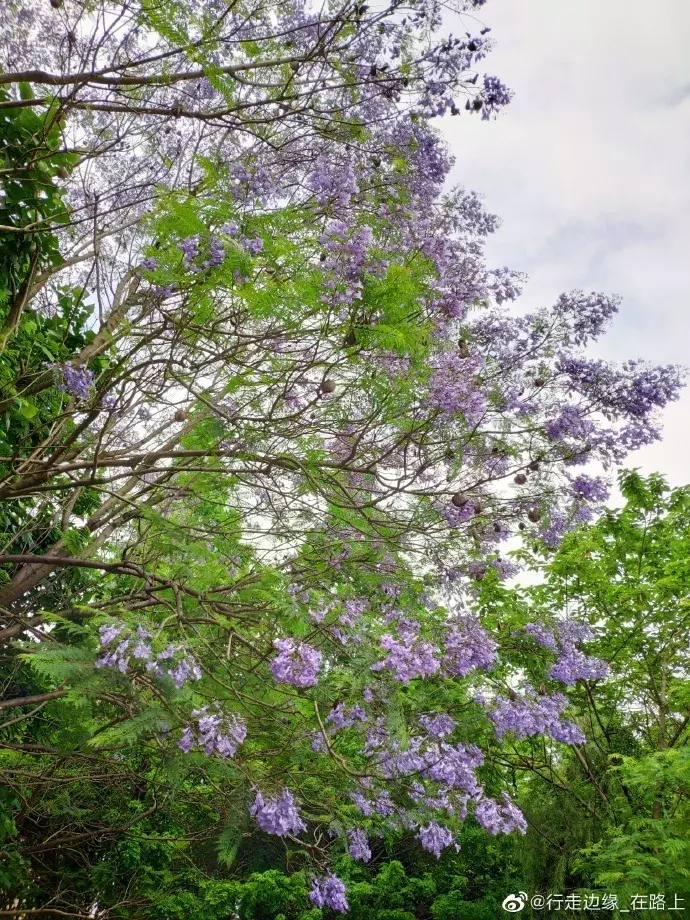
[181, 415]
[534, 466]
[521, 525]
[539, 381]
[520, 479]
[534, 515]
[497, 527]
[495, 449]
[460, 499]
[479, 572]
[56, 4]
[328, 386]
[376, 162]
[478, 508]
[62, 173]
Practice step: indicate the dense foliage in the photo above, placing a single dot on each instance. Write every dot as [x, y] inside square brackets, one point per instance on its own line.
[268, 422]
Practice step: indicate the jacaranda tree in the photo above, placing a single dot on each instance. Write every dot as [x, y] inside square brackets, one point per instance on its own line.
[269, 420]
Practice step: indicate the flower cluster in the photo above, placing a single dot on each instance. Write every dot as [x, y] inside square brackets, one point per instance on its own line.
[173, 662]
[214, 732]
[329, 891]
[296, 663]
[278, 816]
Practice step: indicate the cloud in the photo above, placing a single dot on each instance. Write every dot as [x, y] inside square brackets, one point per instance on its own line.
[589, 168]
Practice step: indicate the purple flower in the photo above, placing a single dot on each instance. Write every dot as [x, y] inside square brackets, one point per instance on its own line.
[278, 816]
[500, 818]
[358, 847]
[297, 663]
[254, 246]
[435, 838]
[468, 646]
[438, 726]
[329, 891]
[78, 381]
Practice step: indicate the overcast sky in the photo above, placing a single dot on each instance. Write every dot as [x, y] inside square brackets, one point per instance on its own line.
[589, 168]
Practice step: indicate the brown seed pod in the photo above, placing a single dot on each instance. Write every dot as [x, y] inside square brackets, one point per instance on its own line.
[328, 386]
[56, 4]
[62, 173]
[539, 381]
[521, 526]
[495, 449]
[478, 508]
[497, 527]
[534, 514]
[520, 479]
[460, 499]
[479, 572]
[534, 466]
[181, 415]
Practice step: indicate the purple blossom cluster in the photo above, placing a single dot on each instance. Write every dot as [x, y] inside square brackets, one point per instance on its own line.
[173, 662]
[534, 715]
[77, 380]
[214, 732]
[435, 838]
[278, 816]
[296, 663]
[468, 646]
[358, 846]
[329, 891]
[500, 817]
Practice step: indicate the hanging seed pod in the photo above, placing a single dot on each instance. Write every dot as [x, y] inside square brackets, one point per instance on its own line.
[534, 514]
[350, 339]
[460, 499]
[478, 508]
[479, 572]
[520, 479]
[62, 173]
[521, 525]
[497, 527]
[181, 415]
[328, 386]
[539, 381]
[534, 466]
[56, 4]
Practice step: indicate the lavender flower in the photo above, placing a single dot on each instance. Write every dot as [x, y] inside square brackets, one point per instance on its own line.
[435, 838]
[358, 847]
[297, 663]
[278, 816]
[329, 891]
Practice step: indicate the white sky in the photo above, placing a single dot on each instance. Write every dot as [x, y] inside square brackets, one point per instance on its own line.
[589, 168]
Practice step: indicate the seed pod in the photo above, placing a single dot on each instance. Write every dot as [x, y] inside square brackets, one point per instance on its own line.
[495, 449]
[376, 162]
[350, 339]
[534, 466]
[463, 349]
[63, 173]
[539, 381]
[534, 514]
[460, 499]
[71, 37]
[521, 526]
[328, 386]
[479, 572]
[56, 4]
[497, 527]
[181, 415]
[520, 479]
[478, 508]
